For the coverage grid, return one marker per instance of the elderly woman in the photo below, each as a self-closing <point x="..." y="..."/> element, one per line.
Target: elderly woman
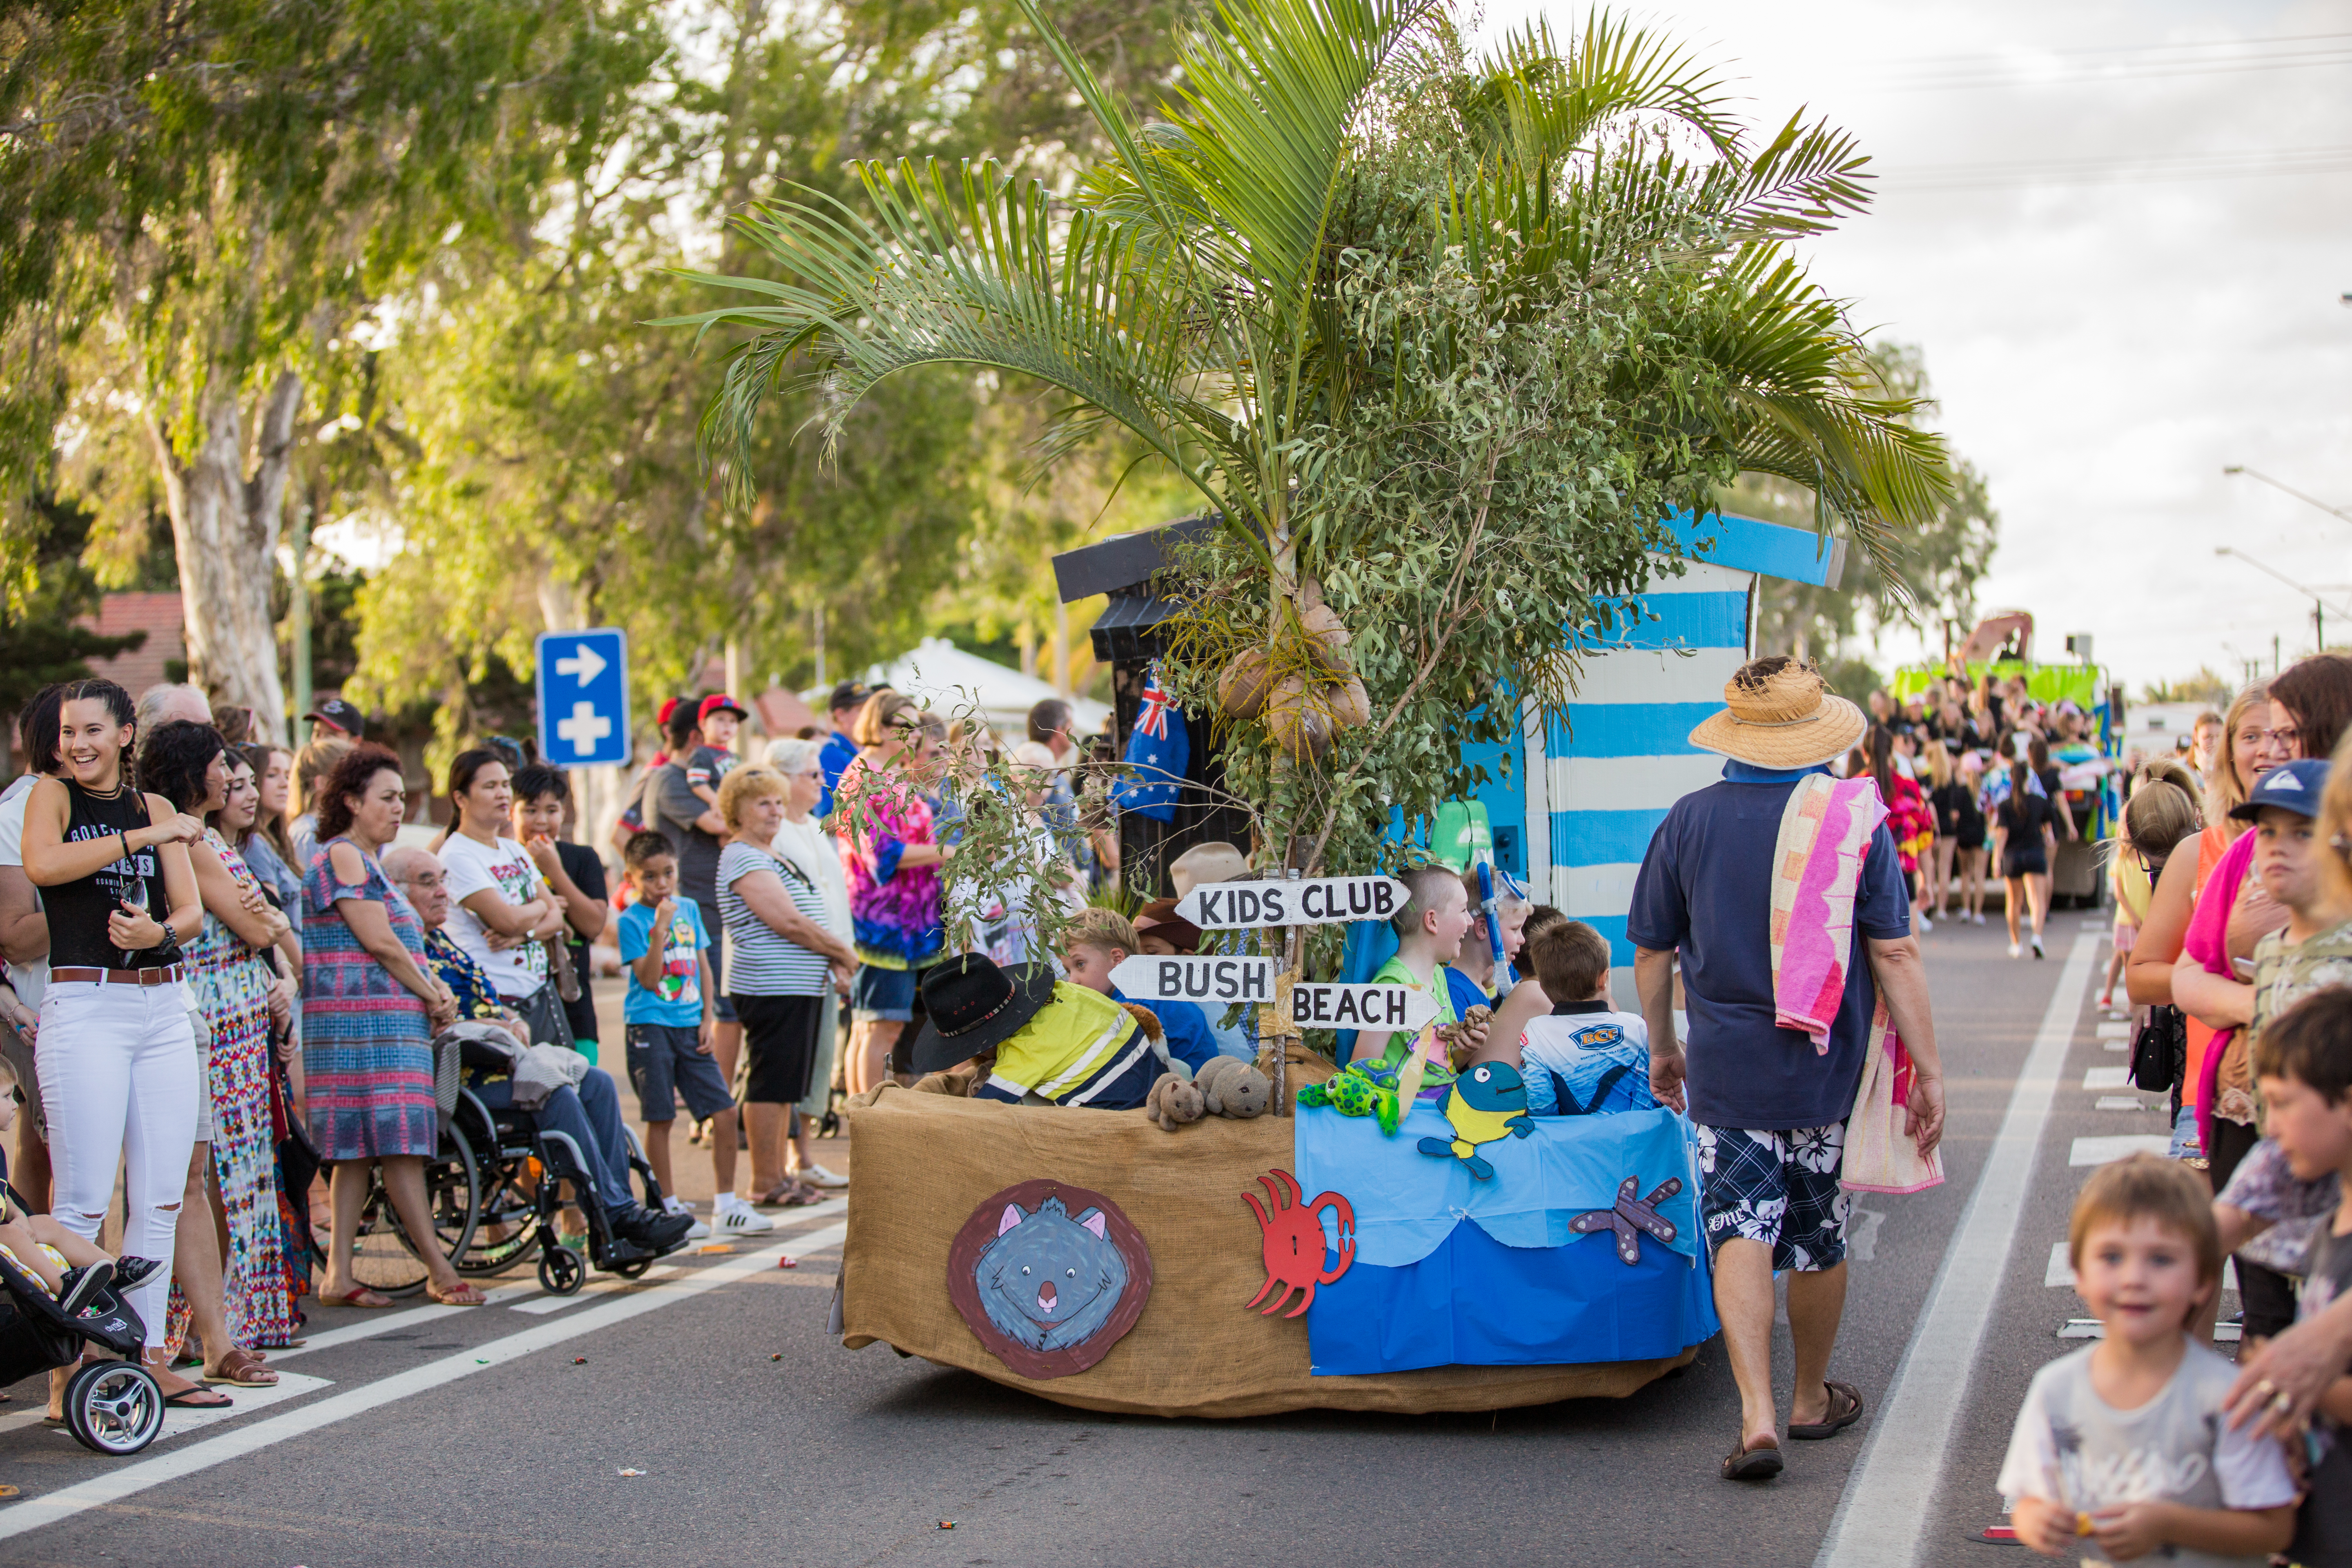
<point x="891" y="860"/>
<point x="372" y="1004"/>
<point x="775" y="914"/>
<point x="804" y="844"/>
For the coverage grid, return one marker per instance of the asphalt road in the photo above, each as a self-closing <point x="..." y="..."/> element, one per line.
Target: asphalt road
<point x="501" y="1434"/>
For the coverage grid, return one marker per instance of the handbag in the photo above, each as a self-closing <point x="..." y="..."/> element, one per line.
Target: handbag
<point x="2160" y="1050"/>
<point x="1880" y="1157"/>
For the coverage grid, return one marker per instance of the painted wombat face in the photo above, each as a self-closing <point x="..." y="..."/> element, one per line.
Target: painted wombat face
<point x="1049" y="1280"/>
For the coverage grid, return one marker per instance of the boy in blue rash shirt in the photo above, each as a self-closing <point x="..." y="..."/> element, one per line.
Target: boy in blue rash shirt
<point x="1096" y="942"/>
<point x="1584" y="1058"/>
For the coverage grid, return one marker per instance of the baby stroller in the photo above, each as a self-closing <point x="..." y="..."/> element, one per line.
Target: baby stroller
<point x="111" y="1406"/>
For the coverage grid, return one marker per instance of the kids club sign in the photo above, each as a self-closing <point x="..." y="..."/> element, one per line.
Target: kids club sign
<point x="1312" y="902"/>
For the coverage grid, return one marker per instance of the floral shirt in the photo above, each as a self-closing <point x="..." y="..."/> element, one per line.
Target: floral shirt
<point x="894" y="912"/>
<point x="478" y="997"/>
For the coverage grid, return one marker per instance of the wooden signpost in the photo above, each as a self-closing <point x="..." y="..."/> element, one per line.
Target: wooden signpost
<point x="1308" y="901"/>
<point x="1218" y="979"/>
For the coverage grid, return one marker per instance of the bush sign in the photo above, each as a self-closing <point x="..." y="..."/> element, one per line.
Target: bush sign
<point x="1336" y="1006"/>
<point x="1317" y="900"/>
<point x="1223" y="979"/>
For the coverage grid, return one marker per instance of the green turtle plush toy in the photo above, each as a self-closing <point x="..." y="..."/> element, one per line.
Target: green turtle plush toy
<point x="1356" y="1092"/>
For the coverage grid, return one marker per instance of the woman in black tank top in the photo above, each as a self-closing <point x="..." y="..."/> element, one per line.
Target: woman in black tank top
<point x="120" y="1077"/>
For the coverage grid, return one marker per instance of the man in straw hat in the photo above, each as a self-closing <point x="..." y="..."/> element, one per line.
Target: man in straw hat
<point x="1770" y="1106"/>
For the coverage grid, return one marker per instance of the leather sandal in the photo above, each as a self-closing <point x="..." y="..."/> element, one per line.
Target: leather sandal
<point x="1844" y="1410"/>
<point x="242" y="1369"/>
<point x="1760" y="1463"/>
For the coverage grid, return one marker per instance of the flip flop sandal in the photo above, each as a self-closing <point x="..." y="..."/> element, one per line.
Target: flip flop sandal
<point x="363" y="1298"/>
<point x="198" y="1398"/>
<point x="1845" y="1409"/>
<point x="1753" y="1464"/>
<point x="242" y="1369"/>
<point x="463" y="1296"/>
<point x="6" y="1490"/>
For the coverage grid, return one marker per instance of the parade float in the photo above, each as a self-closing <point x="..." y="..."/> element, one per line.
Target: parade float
<point x="1456" y="351"/>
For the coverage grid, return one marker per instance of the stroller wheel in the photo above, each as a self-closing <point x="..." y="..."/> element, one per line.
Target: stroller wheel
<point x="114" y="1407"/>
<point x="560" y="1272"/>
<point x="635" y="1268"/>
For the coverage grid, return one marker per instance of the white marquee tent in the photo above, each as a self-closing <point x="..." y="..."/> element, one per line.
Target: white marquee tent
<point x="949" y="680"/>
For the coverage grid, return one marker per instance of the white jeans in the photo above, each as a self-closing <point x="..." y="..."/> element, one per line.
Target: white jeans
<point x="118" y="1081"/>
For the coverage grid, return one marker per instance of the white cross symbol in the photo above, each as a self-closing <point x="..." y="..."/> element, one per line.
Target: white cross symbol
<point x="583" y="729"/>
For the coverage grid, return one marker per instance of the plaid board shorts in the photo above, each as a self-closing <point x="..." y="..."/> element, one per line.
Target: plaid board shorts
<point x="1777" y="1187"/>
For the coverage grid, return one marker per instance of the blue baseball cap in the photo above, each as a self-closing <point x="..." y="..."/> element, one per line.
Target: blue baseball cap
<point x="2291" y="786"/>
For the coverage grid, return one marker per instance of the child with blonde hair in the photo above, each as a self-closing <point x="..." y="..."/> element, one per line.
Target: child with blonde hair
<point x="2124" y="1446"/>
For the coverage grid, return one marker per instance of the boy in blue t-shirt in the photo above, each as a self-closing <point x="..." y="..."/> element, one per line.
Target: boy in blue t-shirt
<point x="669" y="1014"/>
<point x="1096" y="942"/>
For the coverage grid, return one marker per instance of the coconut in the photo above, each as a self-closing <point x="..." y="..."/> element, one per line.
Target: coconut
<point x="1298" y="718"/>
<point x="1350" y="705"/>
<point x="1323" y="624"/>
<point x="1242" y="688"/>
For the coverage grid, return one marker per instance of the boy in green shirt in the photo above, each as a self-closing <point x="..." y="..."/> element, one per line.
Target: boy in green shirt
<point x="1429" y="929"/>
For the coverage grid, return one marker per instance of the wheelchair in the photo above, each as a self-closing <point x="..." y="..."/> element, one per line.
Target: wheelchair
<point x="111" y="1406"/>
<point x="494" y="1190"/>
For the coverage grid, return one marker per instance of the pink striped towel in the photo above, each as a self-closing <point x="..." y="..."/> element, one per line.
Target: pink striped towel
<point x="1816" y="866"/>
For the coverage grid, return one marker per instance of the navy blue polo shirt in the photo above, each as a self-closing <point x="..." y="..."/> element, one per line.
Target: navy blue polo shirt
<point x="1706" y="888"/>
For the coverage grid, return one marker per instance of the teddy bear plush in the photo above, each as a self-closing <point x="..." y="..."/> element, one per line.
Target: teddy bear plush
<point x="1457" y="1036"/>
<point x="1231" y="1086"/>
<point x="1173" y="1102"/>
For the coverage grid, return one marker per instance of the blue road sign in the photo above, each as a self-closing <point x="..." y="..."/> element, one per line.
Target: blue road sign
<point x="583" y="697"/>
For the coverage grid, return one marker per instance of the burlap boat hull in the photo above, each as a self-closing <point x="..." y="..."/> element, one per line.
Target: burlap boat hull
<point x="924" y="1161"/>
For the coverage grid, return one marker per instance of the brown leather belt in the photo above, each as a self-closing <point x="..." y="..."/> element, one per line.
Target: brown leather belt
<point x="71" y="974"/>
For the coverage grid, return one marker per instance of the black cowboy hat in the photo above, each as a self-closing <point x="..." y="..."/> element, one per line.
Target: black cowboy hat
<point x="975" y="1006"/>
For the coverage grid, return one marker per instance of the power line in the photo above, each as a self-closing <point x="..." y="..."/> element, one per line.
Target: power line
<point x="2248" y="162"/>
<point x="2116" y="63"/>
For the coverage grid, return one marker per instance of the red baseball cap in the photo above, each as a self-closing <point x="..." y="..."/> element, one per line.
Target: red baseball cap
<point x="720" y="702"/>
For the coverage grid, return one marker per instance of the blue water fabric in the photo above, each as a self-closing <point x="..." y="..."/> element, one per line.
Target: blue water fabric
<point x="1408" y="1203"/>
<point x="1476" y="1302"/>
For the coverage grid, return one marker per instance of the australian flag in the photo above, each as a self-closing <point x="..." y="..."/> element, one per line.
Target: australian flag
<point x="1157" y="751"/>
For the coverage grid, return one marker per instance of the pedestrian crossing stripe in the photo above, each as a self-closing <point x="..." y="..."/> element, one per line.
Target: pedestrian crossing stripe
<point x="2107" y="1150"/>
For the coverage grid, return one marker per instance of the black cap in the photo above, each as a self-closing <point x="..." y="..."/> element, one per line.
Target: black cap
<point x="337" y="714"/>
<point x="848" y="694"/>
<point x="975" y="1006"/>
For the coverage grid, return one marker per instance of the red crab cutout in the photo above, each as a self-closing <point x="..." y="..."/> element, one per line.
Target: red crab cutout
<point x="1294" y="1241"/>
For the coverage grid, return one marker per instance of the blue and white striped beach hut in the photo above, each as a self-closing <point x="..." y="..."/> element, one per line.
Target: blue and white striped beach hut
<point x="1574" y="804"/>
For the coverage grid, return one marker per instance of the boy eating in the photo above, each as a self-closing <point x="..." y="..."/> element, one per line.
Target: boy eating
<point x="668" y="1018"/>
<point x="1583" y="1057"/>
<point x="1097" y="940"/>
<point x="2123" y="1446"/>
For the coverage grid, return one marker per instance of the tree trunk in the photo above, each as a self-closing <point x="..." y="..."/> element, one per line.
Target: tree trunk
<point x="225" y="529"/>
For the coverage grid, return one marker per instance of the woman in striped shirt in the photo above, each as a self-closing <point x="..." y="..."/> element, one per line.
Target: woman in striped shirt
<point x="783" y="963"/>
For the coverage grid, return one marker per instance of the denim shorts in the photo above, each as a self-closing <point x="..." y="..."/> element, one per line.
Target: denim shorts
<point x="878" y="993"/>
<point x="1777" y="1187"/>
<point x="663" y="1062"/>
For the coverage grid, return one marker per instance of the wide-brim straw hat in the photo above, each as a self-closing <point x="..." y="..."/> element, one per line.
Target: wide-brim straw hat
<point x="1781" y="720"/>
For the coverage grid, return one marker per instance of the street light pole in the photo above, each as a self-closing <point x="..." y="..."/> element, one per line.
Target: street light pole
<point x="2342" y="514"/>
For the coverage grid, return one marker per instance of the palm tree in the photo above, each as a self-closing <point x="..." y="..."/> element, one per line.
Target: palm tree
<point x="1184" y="296"/>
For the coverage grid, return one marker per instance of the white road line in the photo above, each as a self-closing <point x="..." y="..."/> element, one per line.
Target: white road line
<point x="2115" y="1031"/>
<point x="603" y="1286"/>
<point x="2124" y="1102"/>
<point x="2060" y="1275"/>
<point x="2107" y="1150"/>
<point x="34" y="1513"/>
<point x="1888" y="1493"/>
<point x="2107" y="1077"/>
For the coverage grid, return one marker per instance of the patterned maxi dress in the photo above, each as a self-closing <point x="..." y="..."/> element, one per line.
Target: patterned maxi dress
<point x="366" y="1049"/>
<point x="229" y="983"/>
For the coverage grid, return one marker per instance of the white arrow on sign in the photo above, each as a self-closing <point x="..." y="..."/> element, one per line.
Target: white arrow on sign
<point x="1219" y="979"/>
<point x="584" y="662"/>
<point x="1332" y="1005"/>
<point x="1318" y="901"/>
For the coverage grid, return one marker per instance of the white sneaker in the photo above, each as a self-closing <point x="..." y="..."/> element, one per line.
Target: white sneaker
<point x="1926" y="925"/>
<point x="1978" y="917"/>
<point x="745" y="1221"/>
<point x="2012" y="950"/>
<point x="700" y="1229"/>
<point x="2037" y="944"/>
<point x="818" y="1176"/>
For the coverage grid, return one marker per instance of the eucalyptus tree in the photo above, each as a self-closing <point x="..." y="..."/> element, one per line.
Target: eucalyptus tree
<point x="209" y="202"/>
<point x="1442" y="341"/>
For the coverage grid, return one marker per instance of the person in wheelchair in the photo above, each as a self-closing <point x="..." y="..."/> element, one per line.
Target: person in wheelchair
<point x="590" y="1115"/>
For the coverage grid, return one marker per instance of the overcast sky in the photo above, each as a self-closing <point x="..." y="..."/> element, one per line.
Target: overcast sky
<point x="2101" y="347"/>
